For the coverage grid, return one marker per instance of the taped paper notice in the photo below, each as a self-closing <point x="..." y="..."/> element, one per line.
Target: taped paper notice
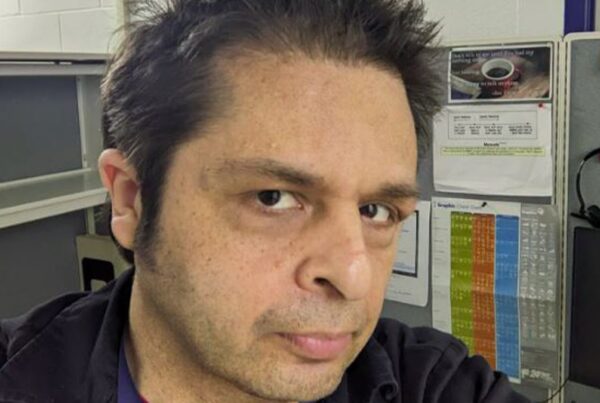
<point x="494" y="150"/>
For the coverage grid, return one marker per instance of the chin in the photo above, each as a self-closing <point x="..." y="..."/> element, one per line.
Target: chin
<point x="300" y="390"/>
<point x="299" y="382"/>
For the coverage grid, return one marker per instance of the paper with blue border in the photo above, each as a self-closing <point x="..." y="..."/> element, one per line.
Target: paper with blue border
<point x="409" y="281"/>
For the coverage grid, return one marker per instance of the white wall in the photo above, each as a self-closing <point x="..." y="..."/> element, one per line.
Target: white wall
<point x="87" y="25"/>
<point x="493" y="19"/>
<point x="57" y="25"/>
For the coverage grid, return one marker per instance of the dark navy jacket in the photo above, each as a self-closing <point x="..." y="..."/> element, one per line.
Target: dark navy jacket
<point x="67" y="351"/>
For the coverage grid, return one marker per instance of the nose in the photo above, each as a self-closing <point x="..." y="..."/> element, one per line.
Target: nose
<point x="337" y="261"/>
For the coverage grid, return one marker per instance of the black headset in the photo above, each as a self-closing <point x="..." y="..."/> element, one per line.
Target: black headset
<point x="590" y="214"/>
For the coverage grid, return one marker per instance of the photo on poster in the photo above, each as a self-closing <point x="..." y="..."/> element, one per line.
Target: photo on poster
<point x="508" y="73"/>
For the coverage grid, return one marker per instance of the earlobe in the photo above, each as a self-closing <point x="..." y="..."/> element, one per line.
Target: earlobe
<point x="120" y="180"/>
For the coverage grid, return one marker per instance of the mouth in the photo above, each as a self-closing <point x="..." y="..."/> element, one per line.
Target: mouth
<point x="317" y="346"/>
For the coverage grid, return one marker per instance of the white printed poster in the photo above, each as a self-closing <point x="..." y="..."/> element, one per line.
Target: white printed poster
<point x="475" y="282"/>
<point x="494" y="150"/>
<point x="409" y="282"/>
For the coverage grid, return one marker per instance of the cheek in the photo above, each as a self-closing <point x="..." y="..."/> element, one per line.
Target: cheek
<point x="244" y="275"/>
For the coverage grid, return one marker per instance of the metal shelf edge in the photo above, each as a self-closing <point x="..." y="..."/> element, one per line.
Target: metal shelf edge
<point x="51" y="207"/>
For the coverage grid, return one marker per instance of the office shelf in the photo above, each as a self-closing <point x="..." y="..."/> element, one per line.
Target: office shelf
<point x="41" y="197"/>
<point x="54" y="56"/>
<point x="52" y="64"/>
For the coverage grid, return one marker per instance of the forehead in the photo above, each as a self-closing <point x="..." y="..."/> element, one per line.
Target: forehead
<point x="317" y="114"/>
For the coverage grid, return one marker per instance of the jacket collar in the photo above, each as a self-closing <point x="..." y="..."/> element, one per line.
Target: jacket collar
<point x="370" y="378"/>
<point x="101" y="379"/>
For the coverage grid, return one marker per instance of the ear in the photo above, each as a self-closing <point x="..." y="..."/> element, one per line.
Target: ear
<point x="120" y="179"/>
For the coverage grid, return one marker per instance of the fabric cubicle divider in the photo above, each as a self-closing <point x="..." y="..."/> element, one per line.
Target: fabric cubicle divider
<point x="583" y="133"/>
<point x="417" y="316"/>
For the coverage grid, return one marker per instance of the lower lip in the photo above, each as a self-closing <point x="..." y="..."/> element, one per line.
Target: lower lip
<point x="317" y="347"/>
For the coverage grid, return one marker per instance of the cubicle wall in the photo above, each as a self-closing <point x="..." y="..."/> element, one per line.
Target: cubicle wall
<point x="38" y="261"/>
<point x="422" y="316"/>
<point x="583" y="133"/>
<point x="39" y="126"/>
<point x="577" y="131"/>
<point x="49" y="132"/>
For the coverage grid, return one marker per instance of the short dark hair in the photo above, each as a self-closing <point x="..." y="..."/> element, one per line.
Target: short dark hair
<point x="162" y="86"/>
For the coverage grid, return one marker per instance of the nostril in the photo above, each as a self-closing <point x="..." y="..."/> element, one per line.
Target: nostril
<point x="321" y="281"/>
<point x="326" y="286"/>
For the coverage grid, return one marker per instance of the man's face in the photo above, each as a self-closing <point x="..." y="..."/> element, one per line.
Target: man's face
<point x="279" y="225"/>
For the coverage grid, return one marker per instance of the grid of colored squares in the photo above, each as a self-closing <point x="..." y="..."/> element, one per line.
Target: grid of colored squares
<point x="484" y="287"/>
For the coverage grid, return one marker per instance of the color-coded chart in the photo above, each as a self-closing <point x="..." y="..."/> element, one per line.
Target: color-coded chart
<point x="472" y="282"/>
<point x="507" y="287"/>
<point x="476" y="274"/>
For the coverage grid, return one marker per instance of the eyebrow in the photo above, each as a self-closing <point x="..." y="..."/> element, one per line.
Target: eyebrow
<point x="272" y="169"/>
<point x="285" y="173"/>
<point x="401" y="191"/>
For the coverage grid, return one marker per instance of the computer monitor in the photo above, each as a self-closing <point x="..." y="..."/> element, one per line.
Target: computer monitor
<point x="584" y="366"/>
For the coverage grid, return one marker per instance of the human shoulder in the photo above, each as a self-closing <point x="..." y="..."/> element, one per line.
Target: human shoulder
<point x="402" y="341"/>
<point x="16" y="332"/>
<point x="433" y="366"/>
<point x="58" y="348"/>
<point x="72" y="311"/>
<point x="30" y="350"/>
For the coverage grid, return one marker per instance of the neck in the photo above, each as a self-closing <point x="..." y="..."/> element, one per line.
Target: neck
<point x="162" y="368"/>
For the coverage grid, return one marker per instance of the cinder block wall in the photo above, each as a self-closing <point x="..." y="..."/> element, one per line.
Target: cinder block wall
<point x="465" y="20"/>
<point x="87" y="25"/>
<point x="58" y="25"/>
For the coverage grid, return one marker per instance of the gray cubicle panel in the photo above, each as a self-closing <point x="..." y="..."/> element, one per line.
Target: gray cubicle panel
<point x="38" y="261"/>
<point x="584" y="135"/>
<point x="39" y="135"/>
<point x="417" y="316"/>
<point x="39" y="127"/>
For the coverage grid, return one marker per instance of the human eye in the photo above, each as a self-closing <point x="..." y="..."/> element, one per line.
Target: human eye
<point x="379" y="213"/>
<point x="277" y="200"/>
